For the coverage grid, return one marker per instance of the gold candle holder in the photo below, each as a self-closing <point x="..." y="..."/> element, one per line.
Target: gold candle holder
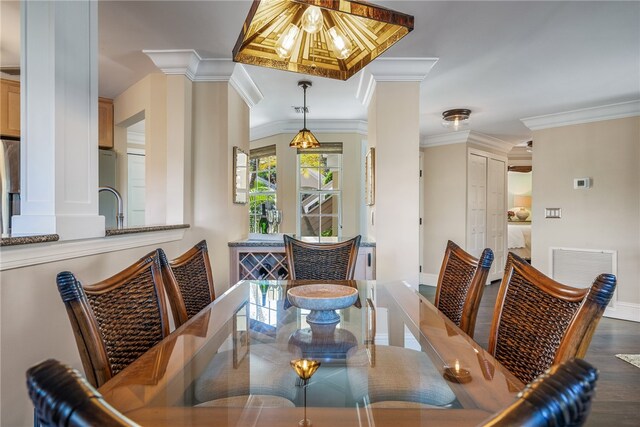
<point x="305" y="368"/>
<point x="456" y="374"/>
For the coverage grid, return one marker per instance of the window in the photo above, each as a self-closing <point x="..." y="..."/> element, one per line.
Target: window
<point x="319" y="192"/>
<point x="262" y="183"/>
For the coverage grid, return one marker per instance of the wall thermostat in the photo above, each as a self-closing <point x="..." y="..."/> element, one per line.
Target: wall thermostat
<point x="581" y="183"/>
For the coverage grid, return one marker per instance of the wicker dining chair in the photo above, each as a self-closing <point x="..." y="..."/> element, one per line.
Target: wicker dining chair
<point x="63" y="398"/>
<point x="321" y="261"/>
<point x="461" y="284"/>
<point x="538" y="322"/>
<point x="560" y="397"/>
<point x="118" y="319"/>
<point x="189" y="282"/>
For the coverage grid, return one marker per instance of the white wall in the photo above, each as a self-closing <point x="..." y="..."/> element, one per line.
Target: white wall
<point x="352" y="202"/>
<point x="607" y="216"/>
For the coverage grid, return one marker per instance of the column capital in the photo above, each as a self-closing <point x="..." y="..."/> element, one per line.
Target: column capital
<point x="189" y="63"/>
<point x="392" y="70"/>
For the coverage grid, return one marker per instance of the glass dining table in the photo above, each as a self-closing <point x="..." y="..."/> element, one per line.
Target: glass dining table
<point x="392" y="359"/>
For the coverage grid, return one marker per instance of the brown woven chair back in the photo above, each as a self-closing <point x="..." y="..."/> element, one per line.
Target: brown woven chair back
<point x="321" y="261"/>
<point x="116" y="320"/>
<point x="460" y="285"/>
<point x="538" y="322"/>
<point x="189" y="282"/>
<point x="62" y="398"/>
<point x="558" y="398"/>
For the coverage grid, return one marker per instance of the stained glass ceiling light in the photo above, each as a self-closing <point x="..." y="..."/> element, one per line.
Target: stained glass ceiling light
<point x="327" y="38"/>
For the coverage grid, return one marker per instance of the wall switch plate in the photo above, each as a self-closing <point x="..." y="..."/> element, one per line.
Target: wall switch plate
<point x="552" y="212"/>
<point x="580" y="183"/>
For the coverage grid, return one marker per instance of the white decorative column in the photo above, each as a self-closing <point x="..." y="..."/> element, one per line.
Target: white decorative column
<point x="59" y="110"/>
<point x="391" y="90"/>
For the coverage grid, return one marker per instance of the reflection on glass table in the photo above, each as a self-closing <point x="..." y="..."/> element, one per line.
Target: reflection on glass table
<point x="385" y="360"/>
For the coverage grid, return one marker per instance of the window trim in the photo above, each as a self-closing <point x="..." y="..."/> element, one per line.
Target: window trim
<point x="325" y="148"/>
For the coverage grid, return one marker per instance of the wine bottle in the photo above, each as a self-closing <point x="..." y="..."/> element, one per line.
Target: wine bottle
<point x="263" y="224"/>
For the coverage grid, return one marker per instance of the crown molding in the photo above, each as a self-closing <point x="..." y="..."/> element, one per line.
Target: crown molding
<point x="391" y="70"/>
<point x="246" y="87"/>
<point x="176" y="61"/>
<point x="584" y="115"/>
<point x="467" y="136"/>
<point x="458" y="137"/>
<point x="491" y="142"/>
<point x="187" y="62"/>
<point x="317" y="126"/>
<point x="401" y="69"/>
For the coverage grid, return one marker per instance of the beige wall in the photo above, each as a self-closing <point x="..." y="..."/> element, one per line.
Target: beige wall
<point x="606" y="216"/>
<point x="220" y="122"/>
<point x="34" y="323"/>
<point x="445" y="201"/>
<point x="394" y="124"/>
<point x="146" y="99"/>
<point x="352" y="201"/>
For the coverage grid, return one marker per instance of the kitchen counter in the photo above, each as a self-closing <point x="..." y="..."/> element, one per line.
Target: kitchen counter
<point x="26" y="240"/>
<point x="143" y="229"/>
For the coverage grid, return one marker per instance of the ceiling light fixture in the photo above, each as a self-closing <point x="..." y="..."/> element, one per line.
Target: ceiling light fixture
<point x="304" y="138"/>
<point x="456" y="118"/>
<point x="327" y="38"/>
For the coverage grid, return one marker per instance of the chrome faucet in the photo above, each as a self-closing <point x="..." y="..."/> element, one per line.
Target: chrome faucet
<point x="120" y="214"/>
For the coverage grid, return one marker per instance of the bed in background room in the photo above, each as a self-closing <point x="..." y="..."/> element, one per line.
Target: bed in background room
<point x="519" y="240"/>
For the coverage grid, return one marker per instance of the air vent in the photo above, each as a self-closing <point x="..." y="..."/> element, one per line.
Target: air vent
<point x="579" y="267"/>
<point x="300" y="109"/>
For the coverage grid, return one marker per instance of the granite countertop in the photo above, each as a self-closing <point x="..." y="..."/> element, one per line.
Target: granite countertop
<point x="143" y="229"/>
<point x="247" y="243"/>
<point x="25" y="240"/>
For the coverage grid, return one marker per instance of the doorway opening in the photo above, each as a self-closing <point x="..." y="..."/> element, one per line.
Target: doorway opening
<point x="136" y="185"/>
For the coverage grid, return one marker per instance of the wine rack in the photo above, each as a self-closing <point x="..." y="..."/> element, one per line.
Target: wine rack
<point x="262" y="266"/>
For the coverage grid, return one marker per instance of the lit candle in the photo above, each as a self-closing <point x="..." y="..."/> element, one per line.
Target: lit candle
<point x="457" y="367"/>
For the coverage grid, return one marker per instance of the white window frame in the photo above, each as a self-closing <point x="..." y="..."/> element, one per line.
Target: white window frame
<point x="334" y="193"/>
<point x="263" y="193"/>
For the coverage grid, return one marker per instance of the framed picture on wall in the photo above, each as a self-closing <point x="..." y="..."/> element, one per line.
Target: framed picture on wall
<point x="370" y="177"/>
<point x="241" y="178"/>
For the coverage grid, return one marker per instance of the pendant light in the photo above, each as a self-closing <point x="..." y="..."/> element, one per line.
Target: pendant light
<point x="304" y="138"/>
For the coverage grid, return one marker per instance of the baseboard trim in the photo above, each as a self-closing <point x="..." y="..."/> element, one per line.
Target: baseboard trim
<point x="429" y="279"/>
<point x="624" y="311"/>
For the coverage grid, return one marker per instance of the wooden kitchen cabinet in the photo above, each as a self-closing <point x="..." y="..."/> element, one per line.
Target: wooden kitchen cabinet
<point x="9" y="108"/>
<point x="10" y="114"/>
<point x="105" y="123"/>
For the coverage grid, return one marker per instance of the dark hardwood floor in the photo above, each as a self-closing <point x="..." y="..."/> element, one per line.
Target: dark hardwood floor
<point x="617" y="400"/>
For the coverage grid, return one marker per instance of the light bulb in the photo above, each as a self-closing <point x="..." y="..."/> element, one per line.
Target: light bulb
<point x="456" y="123"/>
<point x="312" y="20"/>
<point x="284" y="45"/>
<point x="342" y="46"/>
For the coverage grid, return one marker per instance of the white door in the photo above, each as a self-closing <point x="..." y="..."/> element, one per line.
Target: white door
<point x="496" y="211"/>
<point x="135" y="190"/>
<point x="476" y="204"/>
